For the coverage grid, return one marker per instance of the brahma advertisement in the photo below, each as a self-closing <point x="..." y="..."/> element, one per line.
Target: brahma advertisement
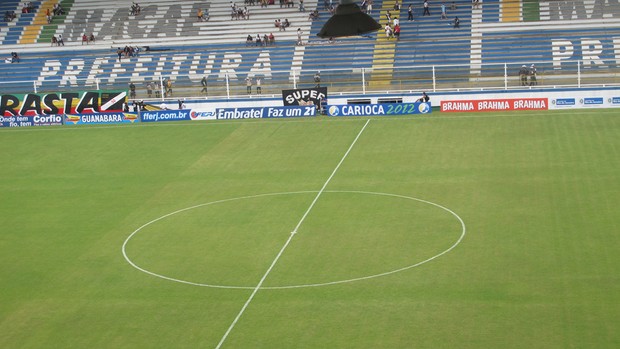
<point x="495" y="105"/>
<point x="33" y="109"/>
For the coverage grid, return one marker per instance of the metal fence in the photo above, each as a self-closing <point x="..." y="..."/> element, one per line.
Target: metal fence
<point x="490" y="76"/>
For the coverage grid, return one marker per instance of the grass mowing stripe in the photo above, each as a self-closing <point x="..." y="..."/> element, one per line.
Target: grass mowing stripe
<point x="262" y="280"/>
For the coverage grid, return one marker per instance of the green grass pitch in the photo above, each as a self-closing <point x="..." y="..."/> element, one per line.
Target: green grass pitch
<point x="537" y="268"/>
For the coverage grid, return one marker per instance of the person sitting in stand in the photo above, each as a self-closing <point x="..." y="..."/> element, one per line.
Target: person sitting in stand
<point x="286" y="23"/>
<point x="249" y="40"/>
<point x="272" y="39"/>
<point x="258" y="40"/>
<point x="313" y="15"/>
<point x="14" y="57"/>
<point x="54" y="40"/>
<point x="91" y="38"/>
<point x="135" y="9"/>
<point x="84" y="39"/>
<point x="425" y="98"/>
<point x="200" y="15"/>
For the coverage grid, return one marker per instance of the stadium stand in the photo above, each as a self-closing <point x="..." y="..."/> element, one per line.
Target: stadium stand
<point x="565" y="39"/>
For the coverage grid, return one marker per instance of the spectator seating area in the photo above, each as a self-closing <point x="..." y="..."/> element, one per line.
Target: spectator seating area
<point x="493" y="40"/>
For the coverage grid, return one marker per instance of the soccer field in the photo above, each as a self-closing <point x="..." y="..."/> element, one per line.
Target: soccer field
<point x="491" y="230"/>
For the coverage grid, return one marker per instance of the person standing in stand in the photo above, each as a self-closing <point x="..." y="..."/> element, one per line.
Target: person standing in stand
<point x="427" y="11"/>
<point x="258" y="86"/>
<point x="248" y="84"/>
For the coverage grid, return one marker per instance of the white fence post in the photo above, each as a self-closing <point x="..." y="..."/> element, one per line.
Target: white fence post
<point x="34" y="84"/>
<point x="505" y="76"/>
<point x="97" y="82"/>
<point x="364" y="81"/>
<point x="579" y="73"/>
<point x="227" y="87"/>
<point x="434" y="80"/>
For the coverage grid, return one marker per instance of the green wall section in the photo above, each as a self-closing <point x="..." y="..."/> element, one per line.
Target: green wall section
<point x="531" y="11"/>
<point x="48" y="30"/>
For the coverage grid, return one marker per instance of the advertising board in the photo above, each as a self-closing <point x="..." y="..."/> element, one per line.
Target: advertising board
<point x="265" y="112"/>
<point x="165" y="115"/>
<point x="385" y="109"/>
<point x="101" y="118"/>
<point x="479" y="105"/>
<point x="31" y="120"/>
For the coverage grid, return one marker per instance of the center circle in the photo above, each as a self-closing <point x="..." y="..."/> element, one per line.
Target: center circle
<point x="348" y="236"/>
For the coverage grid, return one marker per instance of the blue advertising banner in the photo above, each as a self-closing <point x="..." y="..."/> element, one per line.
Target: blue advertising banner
<point x="592" y="101"/>
<point x="101" y="118"/>
<point x="265" y="112"/>
<point x="31" y="120"/>
<point x="564" y="102"/>
<point x="385" y="109"/>
<point x="165" y="115"/>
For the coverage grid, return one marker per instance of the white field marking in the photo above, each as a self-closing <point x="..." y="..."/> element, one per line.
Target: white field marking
<point x="260" y="283"/>
<point x="124" y="247"/>
<point x="463" y="115"/>
<point x="462" y="235"/>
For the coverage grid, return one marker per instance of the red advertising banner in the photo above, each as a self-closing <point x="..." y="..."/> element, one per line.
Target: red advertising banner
<point x="495" y="105"/>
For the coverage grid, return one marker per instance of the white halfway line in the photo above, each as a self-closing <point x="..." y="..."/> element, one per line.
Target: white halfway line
<point x="316" y="198"/>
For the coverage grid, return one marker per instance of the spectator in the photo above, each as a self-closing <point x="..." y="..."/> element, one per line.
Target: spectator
<point x="54" y="40"/>
<point x="396" y="6"/>
<point x="9" y="16"/>
<point x="533" y="79"/>
<point x="265" y="40"/>
<point x="135" y="9"/>
<point x="453" y="6"/>
<point x="203" y="82"/>
<point x="286" y="23"/>
<point x="388" y="31"/>
<point x="258" y="40"/>
<point x="272" y="39"/>
<point x="168" y="88"/>
<point x="427" y="11"/>
<point x="149" y="89"/>
<point x="313" y="15"/>
<point x="369" y="7"/>
<point x="475" y="3"/>
<point x="248" y="84"/>
<point x="278" y="24"/>
<point x="457" y="22"/>
<point x="132" y="90"/>
<point x="249" y="40"/>
<point x="299" y="40"/>
<point x="84" y="39"/>
<point x="410" y="13"/>
<point x="424" y="99"/>
<point x="258" y="87"/>
<point x="92" y="37"/>
<point x="397" y="31"/>
<point x="301" y="6"/>
<point x="201" y="15"/>
<point x="15" y="58"/>
<point x="119" y="52"/>
<point x="60" y="40"/>
<point x="317" y="79"/>
<point x="444" y="15"/>
<point x="58" y="11"/>
<point x="523" y="72"/>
